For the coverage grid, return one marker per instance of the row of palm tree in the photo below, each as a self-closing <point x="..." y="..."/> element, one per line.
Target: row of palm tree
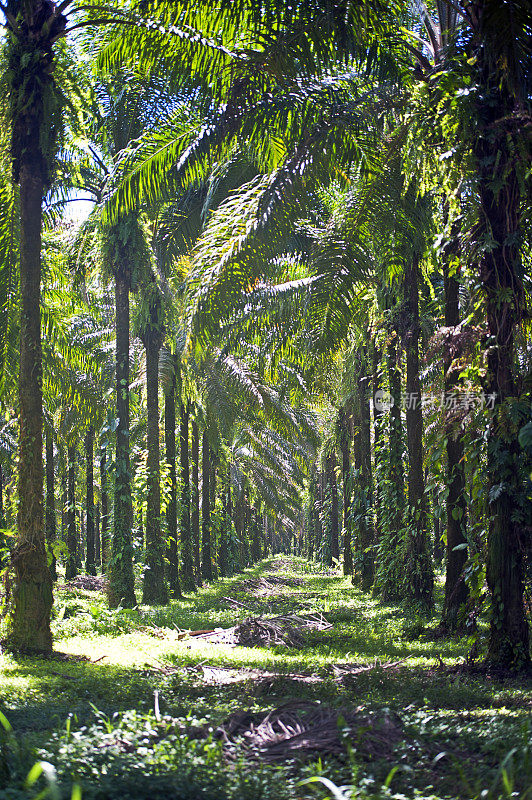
<point x="307" y="101"/>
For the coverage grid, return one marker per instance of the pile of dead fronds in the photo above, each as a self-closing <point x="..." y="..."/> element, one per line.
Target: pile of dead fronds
<point x="90" y="583"/>
<point x="286" y="631"/>
<point x="302" y="729"/>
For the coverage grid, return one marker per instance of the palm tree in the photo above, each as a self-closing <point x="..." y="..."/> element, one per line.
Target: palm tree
<point x="493" y="41"/>
<point x="151" y="331"/>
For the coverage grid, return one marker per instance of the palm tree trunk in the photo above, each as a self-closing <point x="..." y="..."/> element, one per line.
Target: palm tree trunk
<point x="172" y="558"/>
<point x="206" y="560"/>
<point x="378" y="419"/>
<point x="346" y="485"/>
<point x="455" y="586"/>
<point x="154" y="590"/>
<point x="195" y="500"/>
<point x="187" y="569"/>
<point x="396" y="474"/>
<point x="90" y="563"/>
<point x="104" y="519"/>
<point x="499" y="188"/>
<point x="334" y="544"/>
<point x="366" y="481"/>
<point x="223" y="550"/>
<point x="51" y="533"/>
<point x="212" y="490"/>
<point x="32" y="588"/>
<point x="72" y="542"/>
<point x="420" y="577"/>
<point x="97" y="539"/>
<point x="256" y="554"/>
<point x="121" y="587"/>
<point x="64" y="502"/>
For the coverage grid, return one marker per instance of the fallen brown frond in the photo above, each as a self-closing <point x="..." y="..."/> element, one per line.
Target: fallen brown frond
<point x="301" y="729"/>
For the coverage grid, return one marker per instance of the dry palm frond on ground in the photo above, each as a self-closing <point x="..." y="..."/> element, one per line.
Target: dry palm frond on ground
<point x="299" y="729"/>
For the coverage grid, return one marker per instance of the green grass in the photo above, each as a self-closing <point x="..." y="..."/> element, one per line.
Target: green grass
<point x="462" y="737"/>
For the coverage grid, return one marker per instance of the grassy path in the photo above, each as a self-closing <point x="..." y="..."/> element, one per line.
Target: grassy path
<point x="139" y="711"/>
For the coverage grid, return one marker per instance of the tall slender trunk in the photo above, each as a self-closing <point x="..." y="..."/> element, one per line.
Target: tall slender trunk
<point x="390" y="575"/>
<point x="97" y="539"/>
<point x="51" y="533"/>
<point x="121" y="588"/>
<point x="2" y="515"/>
<point x="206" y="559"/>
<point x="396" y="474"/>
<point x="378" y="419"/>
<point x="366" y="481"/>
<point x="312" y="511"/>
<point x="187" y="569"/>
<point x="223" y="550"/>
<point x="64" y="502"/>
<point x="154" y="591"/>
<point x="256" y="537"/>
<point x="212" y="490"/>
<point x="500" y="194"/>
<point x="90" y="563"/>
<point x="72" y="542"/>
<point x="32" y="587"/>
<point x="320" y="518"/>
<point x="438" y="541"/>
<point x="194" y="501"/>
<point x="172" y="558"/>
<point x="420" y="577"/>
<point x="346" y="487"/>
<point x="104" y="526"/>
<point x="332" y="487"/>
<point x="455" y="586"/>
<point x="81" y="540"/>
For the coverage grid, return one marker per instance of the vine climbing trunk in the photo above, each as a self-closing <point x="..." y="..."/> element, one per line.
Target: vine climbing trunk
<point x="90" y="563"/>
<point x="500" y="183"/>
<point x="154" y="591"/>
<point x="456" y="549"/>
<point x="121" y="584"/>
<point x="419" y="576"/>
<point x="51" y="533"/>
